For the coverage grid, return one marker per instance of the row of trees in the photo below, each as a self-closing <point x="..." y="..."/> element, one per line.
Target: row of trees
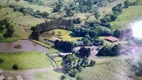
<point x="64" y="45"/>
<point x="72" y="67"/>
<point x="30" y="11"/>
<point x="110" y="51"/>
<point x="39" y="2"/>
<point x="6" y="29"/>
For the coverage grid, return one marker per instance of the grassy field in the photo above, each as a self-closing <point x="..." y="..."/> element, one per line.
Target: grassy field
<point x="20" y="22"/>
<point x="65" y="35"/>
<point x="25" y="60"/>
<point x="112" y="70"/>
<point x="128" y="15"/>
<point x="140" y="2"/>
<point x="50" y="75"/>
<point x="25" y="4"/>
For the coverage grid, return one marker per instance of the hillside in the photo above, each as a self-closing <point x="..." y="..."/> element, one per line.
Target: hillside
<point x="85" y="39"/>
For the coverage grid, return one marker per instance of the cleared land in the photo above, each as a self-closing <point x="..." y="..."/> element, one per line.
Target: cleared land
<point x="65" y="35"/>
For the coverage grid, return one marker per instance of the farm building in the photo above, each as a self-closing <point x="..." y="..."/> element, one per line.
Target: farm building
<point x="111" y="39"/>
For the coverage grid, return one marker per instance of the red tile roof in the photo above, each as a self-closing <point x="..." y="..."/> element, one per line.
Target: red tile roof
<point x="112" y="39"/>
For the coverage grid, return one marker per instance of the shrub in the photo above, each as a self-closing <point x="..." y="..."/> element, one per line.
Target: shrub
<point x="63" y="77"/>
<point x="18" y="46"/>
<point x="72" y="74"/>
<point x="1" y="60"/>
<point x="15" y="67"/>
<point x="79" y="78"/>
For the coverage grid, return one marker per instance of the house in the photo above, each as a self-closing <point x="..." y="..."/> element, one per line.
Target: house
<point x="112" y="39"/>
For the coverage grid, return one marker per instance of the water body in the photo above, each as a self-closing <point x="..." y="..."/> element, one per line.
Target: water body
<point x="27" y="46"/>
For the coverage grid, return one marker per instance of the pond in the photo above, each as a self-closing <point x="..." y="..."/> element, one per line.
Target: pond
<point x="24" y="46"/>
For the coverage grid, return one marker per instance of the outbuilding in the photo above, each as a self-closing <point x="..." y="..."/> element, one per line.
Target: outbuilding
<point x="112" y="39"/>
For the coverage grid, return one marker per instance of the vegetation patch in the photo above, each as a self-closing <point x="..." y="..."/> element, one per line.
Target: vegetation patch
<point x="128" y="15"/>
<point x="24" y="60"/>
<point x="64" y="35"/>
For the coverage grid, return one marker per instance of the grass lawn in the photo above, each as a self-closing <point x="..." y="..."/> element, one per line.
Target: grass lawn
<point x="64" y="35"/>
<point x="50" y="75"/>
<point x="128" y="15"/>
<point x="25" y="60"/>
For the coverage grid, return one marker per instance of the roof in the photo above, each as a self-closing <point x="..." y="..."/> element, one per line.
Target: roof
<point x="112" y="39"/>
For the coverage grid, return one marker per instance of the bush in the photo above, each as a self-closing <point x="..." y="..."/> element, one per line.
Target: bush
<point x="71" y="74"/>
<point x="18" y="46"/>
<point x="79" y="68"/>
<point x="15" y="67"/>
<point x="79" y="78"/>
<point x="137" y="68"/>
<point x="92" y="63"/>
<point x="110" y="51"/>
<point x="1" y="60"/>
<point x="63" y="77"/>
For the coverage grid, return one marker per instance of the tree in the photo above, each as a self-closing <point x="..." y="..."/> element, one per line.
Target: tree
<point x="57" y="8"/>
<point x="110" y="17"/>
<point x="52" y="33"/>
<point x="64" y="45"/>
<point x="1" y="60"/>
<point x="97" y="15"/>
<point x="84" y="62"/>
<point x="105" y="51"/>
<point x="119" y="5"/>
<point x="92" y="63"/>
<point x="84" y="52"/>
<point x="15" y="67"/>
<point x="126" y="4"/>
<point x="79" y="78"/>
<point x="115" y="51"/>
<point x="72" y="74"/>
<point x="77" y="21"/>
<point x="63" y="77"/>
<point x="68" y="63"/>
<point x="109" y="51"/>
<point x="137" y="68"/>
<point x="117" y="33"/>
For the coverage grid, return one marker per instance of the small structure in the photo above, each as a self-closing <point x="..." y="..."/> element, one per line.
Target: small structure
<point x="64" y="54"/>
<point x="19" y="78"/>
<point x="111" y="39"/>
